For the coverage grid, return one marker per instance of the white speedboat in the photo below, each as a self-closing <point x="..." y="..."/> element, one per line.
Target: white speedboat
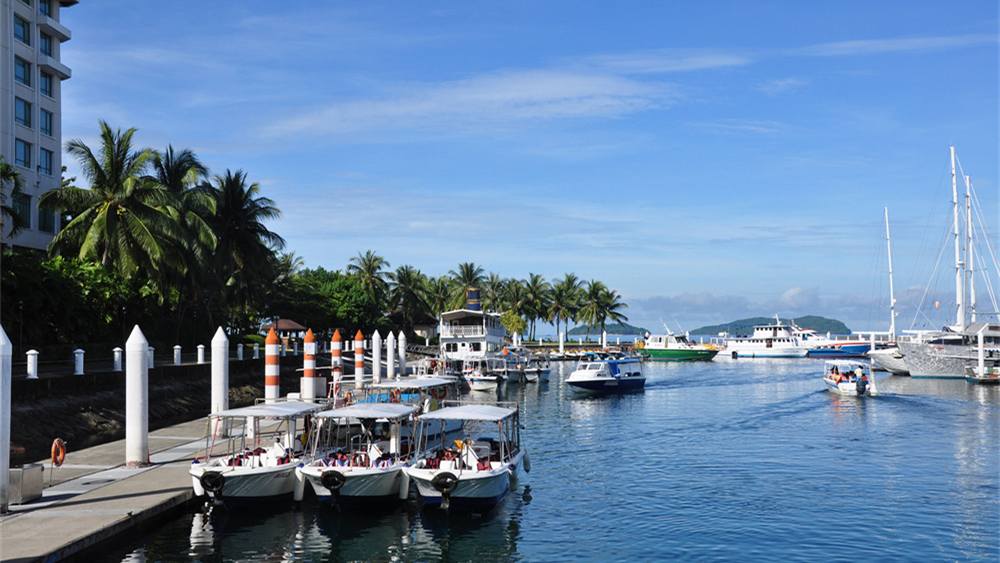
<point x="252" y="452"/>
<point x="485" y="374"/>
<point x="538" y="368"/>
<point x="472" y="469"/>
<point x="622" y="375"/>
<point x="846" y="377"/>
<point x="359" y="455"/>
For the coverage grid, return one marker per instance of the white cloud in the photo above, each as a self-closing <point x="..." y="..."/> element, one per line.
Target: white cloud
<point x="895" y="45"/>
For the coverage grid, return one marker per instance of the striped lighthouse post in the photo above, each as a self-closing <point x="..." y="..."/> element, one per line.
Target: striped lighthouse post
<point x="336" y="361"/>
<point x="272" y="368"/>
<point x="308" y="389"/>
<point x="390" y="356"/>
<point x="359" y="360"/>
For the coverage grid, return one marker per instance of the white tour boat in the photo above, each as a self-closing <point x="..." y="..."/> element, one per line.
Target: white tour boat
<point x="471" y="469"/>
<point x="767" y="341"/>
<point x="252" y="452"/>
<point x="846" y="377"/>
<point x="359" y="454"/>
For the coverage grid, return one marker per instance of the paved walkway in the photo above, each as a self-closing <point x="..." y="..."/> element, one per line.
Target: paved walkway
<point x="93" y="497"/>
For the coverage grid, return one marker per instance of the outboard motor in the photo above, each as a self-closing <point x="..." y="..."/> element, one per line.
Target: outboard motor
<point x="862" y="386"/>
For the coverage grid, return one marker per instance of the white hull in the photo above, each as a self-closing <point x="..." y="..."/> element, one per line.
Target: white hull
<point x="484" y="383"/>
<point x="361" y="483"/>
<point x="937" y="360"/>
<point x="476" y="488"/>
<point x="249" y="482"/>
<point x="847" y="388"/>
<point x="739" y="350"/>
<point x="891" y="360"/>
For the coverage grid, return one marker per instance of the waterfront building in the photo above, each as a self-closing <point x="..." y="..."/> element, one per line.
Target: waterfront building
<point x="31" y="76"/>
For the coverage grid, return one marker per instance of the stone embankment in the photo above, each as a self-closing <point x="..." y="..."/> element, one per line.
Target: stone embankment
<point x="88" y="410"/>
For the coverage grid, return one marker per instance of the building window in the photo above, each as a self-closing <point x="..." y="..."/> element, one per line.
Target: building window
<point x="45" y="44"/>
<point x="22" y="71"/>
<point x="45" y="161"/>
<point x="45" y="7"/>
<point x="22" y="208"/>
<point x="45" y="121"/>
<point x="22" y="112"/>
<point x="45" y="83"/>
<point x="46" y="219"/>
<point x="22" y="153"/>
<point x="22" y="30"/>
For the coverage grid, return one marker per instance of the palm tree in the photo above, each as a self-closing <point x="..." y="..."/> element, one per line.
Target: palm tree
<point x="591" y="310"/>
<point x="10" y="175"/>
<point x="438" y="293"/>
<point x="245" y="252"/>
<point x="565" y="304"/>
<point x="289" y="265"/>
<point x="514" y="297"/>
<point x="124" y="219"/>
<point x="367" y="268"/>
<point x="467" y="277"/>
<point x="407" y="293"/>
<point x="492" y="289"/>
<point x="537" y="297"/>
<point x="611" y="306"/>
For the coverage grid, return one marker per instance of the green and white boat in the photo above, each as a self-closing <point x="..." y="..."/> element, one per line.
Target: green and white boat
<point x="675" y="347"/>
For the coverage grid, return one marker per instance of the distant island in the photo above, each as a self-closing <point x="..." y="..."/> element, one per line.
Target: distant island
<point x="616" y="328"/>
<point x="821" y="325"/>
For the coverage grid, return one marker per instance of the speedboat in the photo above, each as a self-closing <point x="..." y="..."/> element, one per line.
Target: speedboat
<point x="251" y="452"/>
<point x="427" y="393"/>
<point x="672" y="346"/>
<point x="845" y="377"/>
<point x="485" y="374"/>
<point x="622" y="375"/>
<point x="359" y="455"/>
<point x="471" y="469"/>
<point x="538" y="368"/>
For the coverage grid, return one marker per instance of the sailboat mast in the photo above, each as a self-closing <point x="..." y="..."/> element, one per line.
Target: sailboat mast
<point x="970" y="262"/>
<point x="892" y="296"/>
<point x="959" y="289"/>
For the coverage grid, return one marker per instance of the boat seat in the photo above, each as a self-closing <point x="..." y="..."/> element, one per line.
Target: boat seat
<point x="448" y="464"/>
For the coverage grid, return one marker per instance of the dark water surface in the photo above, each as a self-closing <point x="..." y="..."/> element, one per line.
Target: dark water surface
<point x="733" y="460"/>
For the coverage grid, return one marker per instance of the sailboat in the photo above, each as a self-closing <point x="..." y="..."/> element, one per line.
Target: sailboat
<point x="946" y="354"/>
<point x="890" y="358"/>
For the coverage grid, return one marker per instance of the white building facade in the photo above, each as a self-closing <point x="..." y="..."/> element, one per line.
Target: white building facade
<point x="31" y="76"/>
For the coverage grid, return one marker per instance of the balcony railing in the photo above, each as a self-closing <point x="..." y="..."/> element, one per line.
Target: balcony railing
<point x="470" y="330"/>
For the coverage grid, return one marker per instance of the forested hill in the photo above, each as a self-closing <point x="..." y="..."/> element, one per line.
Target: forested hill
<point x="821" y="325"/>
<point x="615" y="328"/>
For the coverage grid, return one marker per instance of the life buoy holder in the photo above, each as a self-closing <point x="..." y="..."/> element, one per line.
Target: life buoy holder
<point x="58" y="452"/>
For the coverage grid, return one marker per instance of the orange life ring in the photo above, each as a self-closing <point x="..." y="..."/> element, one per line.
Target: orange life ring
<point x="347" y="397"/>
<point x="58" y="452"/>
<point x="395" y="395"/>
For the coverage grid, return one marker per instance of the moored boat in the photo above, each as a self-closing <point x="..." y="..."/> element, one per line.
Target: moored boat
<point x="622" y="375"/>
<point x="471" y="469"/>
<point x="846" y="377"/>
<point x="767" y="341"/>
<point x="675" y="347"/>
<point x="360" y="455"/>
<point x="251" y="452"/>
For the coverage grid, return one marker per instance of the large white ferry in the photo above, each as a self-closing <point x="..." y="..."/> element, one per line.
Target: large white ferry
<point x="767" y="341"/>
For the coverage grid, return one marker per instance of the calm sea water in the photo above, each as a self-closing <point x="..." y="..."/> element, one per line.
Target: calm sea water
<point x="733" y="460"/>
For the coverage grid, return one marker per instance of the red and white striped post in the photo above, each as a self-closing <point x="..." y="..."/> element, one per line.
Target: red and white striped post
<point x="272" y="368"/>
<point x="308" y="389"/>
<point x="359" y="360"/>
<point x="336" y="360"/>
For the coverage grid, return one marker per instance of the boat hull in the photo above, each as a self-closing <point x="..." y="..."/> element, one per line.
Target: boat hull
<point x="608" y="384"/>
<point x="854" y="350"/>
<point x="477" y="490"/>
<point x="891" y="360"/>
<point x="940" y="361"/>
<point x="767" y="352"/>
<point x="680" y="354"/>
<point x="249" y="484"/>
<point x="363" y="486"/>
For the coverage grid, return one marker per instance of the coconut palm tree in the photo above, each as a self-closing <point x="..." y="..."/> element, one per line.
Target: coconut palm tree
<point x="367" y="268"/>
<point x="244" y="256"/>
<point x="438" y="292"/>
<point x="591" y="306"/>
<point x="9" y="176"/>
<point x="467" y="277"/>
<point x="492" y="289"/>
<point x="406" y="291"/>
<point x="537" y="298"/>
<point x="514" y="297"/>
<point x="565" y="304"/>
<point x="124" y="219"/>
<point x="611" y="308"/>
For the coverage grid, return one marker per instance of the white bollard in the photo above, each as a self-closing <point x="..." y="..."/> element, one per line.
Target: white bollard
<point x="136" y="400"/>
<point x="32" y="364"/>
<point x="117" y="352"/>
<point x="201" y="353"/>
<point x="78" y="362"/>
<point x="562" y="343"/>
<point x="390" y="356"/>
<point x="256" y="351"/>
<point x="284" y="349"/>
<point x="6" y="362"/>
<point x="377" y="357"/>
<point x="177" y="355"/>
<point x="239" y="351"/>
<point x="295" y="348"/>
<point x="149" y="357"/>
<point x="402" y="354"/>
<point x="220" y="371"/>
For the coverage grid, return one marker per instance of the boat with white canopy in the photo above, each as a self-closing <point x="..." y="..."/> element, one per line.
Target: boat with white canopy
<point x="471" y="469"/>
<point x="251" y="452"/>
<point x="846" y="377"/>
<point x="359" y="453"/>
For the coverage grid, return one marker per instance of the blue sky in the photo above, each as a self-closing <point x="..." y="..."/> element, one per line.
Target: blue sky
<point x="710" y="160"/>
